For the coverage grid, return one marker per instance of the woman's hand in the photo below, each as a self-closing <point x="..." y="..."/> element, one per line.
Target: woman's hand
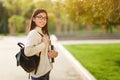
<point x="45" y="40"/>
<point x="52" y="54"/>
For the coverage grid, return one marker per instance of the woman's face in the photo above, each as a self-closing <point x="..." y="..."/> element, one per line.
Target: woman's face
<point x="40" y="19"/>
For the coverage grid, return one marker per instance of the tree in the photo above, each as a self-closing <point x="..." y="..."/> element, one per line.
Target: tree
<point x="103" y="12"/>
<point x="3" y="18"/>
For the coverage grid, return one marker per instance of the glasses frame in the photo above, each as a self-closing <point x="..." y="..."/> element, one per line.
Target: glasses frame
<point x="41" y="17"/>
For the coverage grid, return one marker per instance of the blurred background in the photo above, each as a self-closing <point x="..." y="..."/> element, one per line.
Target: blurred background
<point x="89" y="29"/>
<point x="83" y="19"/>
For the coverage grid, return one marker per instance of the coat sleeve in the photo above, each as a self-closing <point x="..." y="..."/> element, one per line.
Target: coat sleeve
<point x="32" y="46"/>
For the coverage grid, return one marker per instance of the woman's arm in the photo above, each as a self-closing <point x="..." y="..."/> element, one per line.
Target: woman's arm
<point x="32" y="47"/>
<point x="32" y="50"/>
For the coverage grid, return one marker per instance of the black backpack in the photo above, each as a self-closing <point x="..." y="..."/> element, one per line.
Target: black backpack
<point x="27" y="63"/>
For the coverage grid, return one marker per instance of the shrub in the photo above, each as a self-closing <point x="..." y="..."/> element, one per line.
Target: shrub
<point x="18" y="22"/>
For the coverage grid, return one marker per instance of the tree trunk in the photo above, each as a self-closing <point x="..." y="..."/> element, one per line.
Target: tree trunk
<point x="65" y="29"/>
<point x="88" y="28"/>
<point x="118" y="27"/>
<point x="104" y="30"/>
<point x="27" y="26"/>
<point x="12" y="28"/>
<point x="58" y="26"/>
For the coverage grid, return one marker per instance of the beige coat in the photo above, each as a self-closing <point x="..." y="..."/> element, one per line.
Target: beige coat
<point x="33" y="46"/>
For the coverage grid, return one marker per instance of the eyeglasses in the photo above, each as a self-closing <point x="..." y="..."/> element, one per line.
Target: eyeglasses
<point x="41" y="17"/>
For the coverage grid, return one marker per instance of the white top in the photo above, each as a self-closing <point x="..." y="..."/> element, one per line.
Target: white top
<point x="33" y="46"/>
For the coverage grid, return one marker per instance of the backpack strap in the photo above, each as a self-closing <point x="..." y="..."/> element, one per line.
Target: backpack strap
<point x="40" y="34"/>
<point x="38" y="64"/>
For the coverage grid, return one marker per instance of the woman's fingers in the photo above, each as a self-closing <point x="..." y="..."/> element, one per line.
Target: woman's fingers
<point x="45" y="40"/>
<point x="52" y="54"/>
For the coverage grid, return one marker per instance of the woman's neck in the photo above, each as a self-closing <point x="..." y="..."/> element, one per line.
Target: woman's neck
<point x="38" y="29"/>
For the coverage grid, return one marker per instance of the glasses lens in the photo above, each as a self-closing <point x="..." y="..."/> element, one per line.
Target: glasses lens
<point x="41" y="17"/>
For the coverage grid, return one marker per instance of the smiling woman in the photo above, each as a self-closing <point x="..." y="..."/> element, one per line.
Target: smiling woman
<point x="38" y="42"/>
<point x="40" y="20"/>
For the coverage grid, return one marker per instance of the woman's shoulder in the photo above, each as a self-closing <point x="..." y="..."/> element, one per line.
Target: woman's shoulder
<point x="33" y="33"/>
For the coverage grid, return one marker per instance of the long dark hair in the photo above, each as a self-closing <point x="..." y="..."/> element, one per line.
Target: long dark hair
<point x="32" y="23"/>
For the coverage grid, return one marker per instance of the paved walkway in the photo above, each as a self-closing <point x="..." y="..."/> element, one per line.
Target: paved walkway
<point x="65" y="68"/>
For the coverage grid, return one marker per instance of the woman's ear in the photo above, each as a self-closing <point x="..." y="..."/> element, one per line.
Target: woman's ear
<point x="33" y="19"/>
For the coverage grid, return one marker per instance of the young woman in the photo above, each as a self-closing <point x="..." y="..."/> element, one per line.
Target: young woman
<point x="35" y="44"/>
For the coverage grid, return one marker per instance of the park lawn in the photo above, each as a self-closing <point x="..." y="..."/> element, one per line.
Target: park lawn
<point x="101" y="60"/>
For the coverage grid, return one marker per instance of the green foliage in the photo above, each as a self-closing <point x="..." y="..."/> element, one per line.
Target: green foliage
<point x="76" y="12"/>
<point x="13" y="6"/>
<point x="102" y="60"/>
<point x="26" y="10"/>
<point x="94" y="11"/>
<point x="51" y="23"/>
<point x="18" y="22"/>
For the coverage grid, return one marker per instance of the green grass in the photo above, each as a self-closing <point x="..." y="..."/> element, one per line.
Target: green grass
<point x="102" y="60"/>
